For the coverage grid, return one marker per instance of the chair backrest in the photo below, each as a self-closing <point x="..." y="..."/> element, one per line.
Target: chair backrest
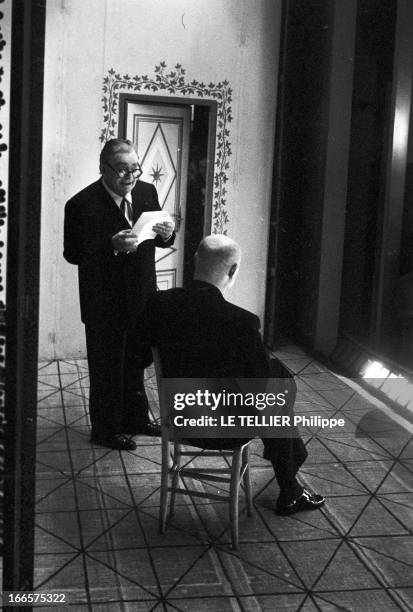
<point x="157" y="363"/>
<point x="182" y="466"/>
<point x="164" y="408"/>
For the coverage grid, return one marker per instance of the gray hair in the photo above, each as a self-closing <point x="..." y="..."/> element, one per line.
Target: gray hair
<point x="116" y="145"/>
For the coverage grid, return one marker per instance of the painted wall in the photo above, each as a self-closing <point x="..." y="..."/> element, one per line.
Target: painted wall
<point x="214" y="41"/>
<point x="5" y="51"/>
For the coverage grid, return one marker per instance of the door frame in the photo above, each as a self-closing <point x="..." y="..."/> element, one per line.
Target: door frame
<point x="395" y="156"/>
<point x="124" y="98"/>
<point x="23" y="265"/>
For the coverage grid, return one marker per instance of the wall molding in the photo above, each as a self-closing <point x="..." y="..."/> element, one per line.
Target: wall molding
<point x="3" y="148"/>
<point x="175" y="83"/>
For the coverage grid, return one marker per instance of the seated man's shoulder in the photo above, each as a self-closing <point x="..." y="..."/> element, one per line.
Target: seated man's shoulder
<point x="166" y="305"/>
<point x="169" y="296"/>
<point x="243" y="316"/>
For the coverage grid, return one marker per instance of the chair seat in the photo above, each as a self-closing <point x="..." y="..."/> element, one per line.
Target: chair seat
<point x="236" y="472"/>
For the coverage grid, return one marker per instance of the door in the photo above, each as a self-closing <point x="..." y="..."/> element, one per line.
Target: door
<point x="161" y="136"/>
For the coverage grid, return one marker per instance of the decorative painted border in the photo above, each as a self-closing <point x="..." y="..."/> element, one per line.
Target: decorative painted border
<point x="174" y="82"/>
<point x="3" y="147"/>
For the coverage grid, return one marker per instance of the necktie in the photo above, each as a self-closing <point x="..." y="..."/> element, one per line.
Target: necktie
<point x="125" y="208"/>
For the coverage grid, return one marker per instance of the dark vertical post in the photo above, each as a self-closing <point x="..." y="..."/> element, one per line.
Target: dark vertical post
<point x="338" y="121"/>
<point x="25" y="159"/>
<point x="299" y="170"/>
<point x="310" y="172"/>
<point x="387" y="270"/>
<point x="270" y="329"/>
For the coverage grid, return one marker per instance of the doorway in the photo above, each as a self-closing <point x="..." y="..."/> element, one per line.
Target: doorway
<point x="161" y="137"/>
<point x="175" y="141"/>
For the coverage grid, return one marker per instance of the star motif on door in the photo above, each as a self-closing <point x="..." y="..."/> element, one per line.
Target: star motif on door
<point x="157" y="174"/>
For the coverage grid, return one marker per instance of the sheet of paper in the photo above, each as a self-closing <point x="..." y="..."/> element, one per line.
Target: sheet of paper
<point x="143" y="226"/>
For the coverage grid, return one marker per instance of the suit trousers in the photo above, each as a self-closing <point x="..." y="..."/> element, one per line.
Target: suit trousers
<point x="287" y="455"/>
<point x="117" y="401"/>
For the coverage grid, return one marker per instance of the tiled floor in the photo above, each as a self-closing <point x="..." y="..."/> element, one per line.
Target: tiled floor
<point x="97" y="537"/>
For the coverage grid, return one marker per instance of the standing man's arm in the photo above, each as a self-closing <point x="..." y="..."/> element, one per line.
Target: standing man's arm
<point x="73" y="230"/>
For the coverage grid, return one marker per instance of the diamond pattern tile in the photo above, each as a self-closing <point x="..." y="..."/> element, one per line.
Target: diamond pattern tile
<point x="97" y="537"/>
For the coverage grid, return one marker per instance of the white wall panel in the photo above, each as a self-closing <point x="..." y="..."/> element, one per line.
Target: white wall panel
<point x="214" y="40"/>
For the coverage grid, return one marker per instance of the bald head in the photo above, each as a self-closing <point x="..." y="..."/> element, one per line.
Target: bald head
<point x="217" y="260"/>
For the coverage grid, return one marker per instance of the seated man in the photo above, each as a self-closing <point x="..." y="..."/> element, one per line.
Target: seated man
<point x="201" y="335"/>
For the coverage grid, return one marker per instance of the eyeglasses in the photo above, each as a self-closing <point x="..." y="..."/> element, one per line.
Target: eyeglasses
<point x="122" y="172"/>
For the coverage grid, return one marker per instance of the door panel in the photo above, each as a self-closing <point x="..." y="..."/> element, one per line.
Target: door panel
<point x="161" y="137"/>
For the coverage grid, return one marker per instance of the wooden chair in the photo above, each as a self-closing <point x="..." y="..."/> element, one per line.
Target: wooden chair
<point x="236" y="472"/>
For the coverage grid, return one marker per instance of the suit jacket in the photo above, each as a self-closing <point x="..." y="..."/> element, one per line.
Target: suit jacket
<point x="113" y="288"/>
<point x="201" y="335"/>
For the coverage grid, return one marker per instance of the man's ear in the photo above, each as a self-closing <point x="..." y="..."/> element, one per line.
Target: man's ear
<point x="232" y="270"/>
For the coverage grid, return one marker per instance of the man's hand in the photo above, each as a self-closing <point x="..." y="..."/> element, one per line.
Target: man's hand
<point x="125" y="241"/>
<point x="164" y="229"/>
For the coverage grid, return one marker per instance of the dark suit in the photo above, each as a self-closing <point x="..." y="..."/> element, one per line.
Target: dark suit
<point x="113" y="290"/>
<point x="201" y="335"/>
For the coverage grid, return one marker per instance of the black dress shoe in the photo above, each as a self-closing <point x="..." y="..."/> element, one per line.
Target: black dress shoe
<point x="149" y="429"/>
<point x="305" y="501"/>
<point x="117" y="442"/>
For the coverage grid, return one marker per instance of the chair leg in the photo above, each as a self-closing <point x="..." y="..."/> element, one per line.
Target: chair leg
<point x="247" y="479"/>
<point x="233" y="493"/>
<point x="163" y="504"/>
<point x="175" y="475"/>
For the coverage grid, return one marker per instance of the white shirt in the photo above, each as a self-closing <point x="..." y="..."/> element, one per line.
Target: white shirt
<point x="118" y="200"/>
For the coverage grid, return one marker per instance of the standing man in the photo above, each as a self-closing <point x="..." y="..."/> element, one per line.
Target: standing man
<point x="116" y="279"/>
<point x="201" y="335"/>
